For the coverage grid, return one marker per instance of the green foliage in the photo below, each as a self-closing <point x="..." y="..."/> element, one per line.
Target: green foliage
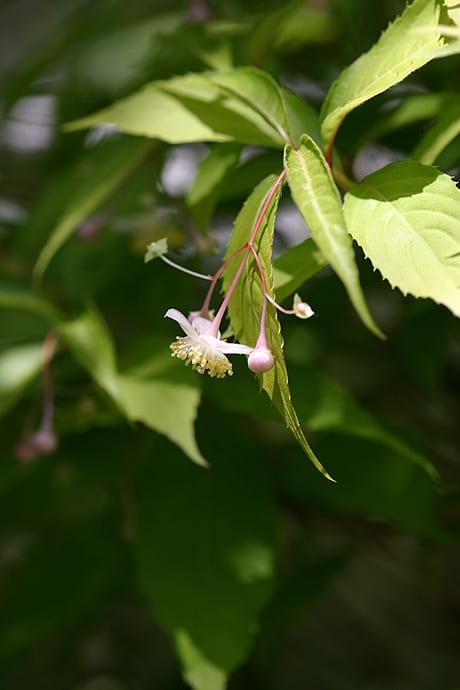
<point x="406" y="218"/>
<point x="157" y="522"/>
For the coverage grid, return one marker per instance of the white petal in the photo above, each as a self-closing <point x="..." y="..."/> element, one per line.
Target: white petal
<point x="182" y="321"/>
<point x="200" y="324"/>
<point x="234" y="348"/>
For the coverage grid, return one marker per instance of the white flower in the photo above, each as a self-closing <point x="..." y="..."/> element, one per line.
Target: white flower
<point x="206" y="353"/>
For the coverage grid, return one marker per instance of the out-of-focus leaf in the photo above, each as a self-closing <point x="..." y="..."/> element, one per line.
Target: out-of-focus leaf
<point x="408" y="44"/>
<point x="89" y="340"/>
<point x="18" y="298"/>
<point x="406" y="217"/>
<point x="206" y="550"/>
<point x="168" y="408"/>
<point x="372" y="480"/>
<point x="18" y="367"/>
<point x="111" y="170"/>
<point x="207" y="185"/>
<point x="439" y="136"/>
<point x="294" y="266"/>
<point x="246" y="304"/>
<point x="317" y="198"/>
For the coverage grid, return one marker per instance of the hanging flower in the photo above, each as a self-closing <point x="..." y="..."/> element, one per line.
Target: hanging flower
<point x="205" y="352"/>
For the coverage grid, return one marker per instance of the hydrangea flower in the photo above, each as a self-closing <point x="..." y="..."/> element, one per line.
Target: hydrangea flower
<point x="200" y="348"/>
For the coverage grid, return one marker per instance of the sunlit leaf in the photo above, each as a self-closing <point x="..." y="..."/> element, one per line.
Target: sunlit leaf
<point x="406" y="217"/>
<point x="407" y="44"/>
<point x="166" y="407"/>
<point x="246" y="304"/>
<point x="260" y="92"/>
<point x="206" y="549"/>
<point x="317" y="198"/>
<point x="18" y="367"/>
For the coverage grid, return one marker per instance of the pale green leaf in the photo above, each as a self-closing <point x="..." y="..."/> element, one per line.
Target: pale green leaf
<point x="18" y="367"/>
<point x="294" y="266"/>
<point x="407" y="44"/>
<point x="261" y="93"/>
<point x="246" y="304"/>
<point x="406" y="217"/>
<point x="94" y="190"/>
<point x="156" y="249"/>
<point x="88" y="339"/>
<point x="168" y="408"/>
<point x="205" y="554"/>
<point x="440" y="135"/>
<point x="317" y="198"/>
<point x="184" y="109"/>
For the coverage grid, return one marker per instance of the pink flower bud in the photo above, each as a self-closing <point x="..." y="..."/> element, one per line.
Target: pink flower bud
<point x="302" y="309"/>
<point x="261" y="360"/>
<point x="45" y="441"/>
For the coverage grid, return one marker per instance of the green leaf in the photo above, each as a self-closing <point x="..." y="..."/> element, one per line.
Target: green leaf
<point x="206" y="550"/>
<point x="168" y="408"/>
<point x="438" y="137"/>
<point x="184" y="109"/>
<point x="18" y="298"/>
<point x="204" y="193"/>
<point x="90" y="342"/>
<point x="406" y="217"/>
<point x="302" y="118"/>
<point x="407" y="44"/>
<point x="18" y="367"/>
<point x="246" y="304"/>
<point x="261" y="93"/>
<point x="94" y="190"/>
<point x="294" y="266"/>
<point x="317" y="198"/>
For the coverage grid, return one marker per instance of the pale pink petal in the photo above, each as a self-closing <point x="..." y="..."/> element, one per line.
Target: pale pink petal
<point x="182" y="321"/>
<point x="234" y="348"/>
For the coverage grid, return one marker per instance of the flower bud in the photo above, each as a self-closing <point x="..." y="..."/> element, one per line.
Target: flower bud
<point x="261" y="360"/>
<point x="302" y="309"/>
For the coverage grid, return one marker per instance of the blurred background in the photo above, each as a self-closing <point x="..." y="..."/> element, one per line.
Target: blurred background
<point x="366" y="593"/>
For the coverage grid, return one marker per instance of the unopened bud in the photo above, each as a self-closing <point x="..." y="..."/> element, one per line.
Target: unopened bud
<point x="302" y="309"/>
<point x="260" y="361"/>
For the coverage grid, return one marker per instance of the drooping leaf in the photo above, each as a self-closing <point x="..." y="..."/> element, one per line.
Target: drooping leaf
<point x="246" y="304"/>
<point x="206" y="550"/>
<point x="184" y="109"/>
<point x="18" y="367"/>
<point x="260" y="92"/>
<point x="302" y="118"/>
<point x="168" y="408"/>
<point x="317" y="198"/>
<point x="406" y="45"/>
<point x="294" y="266"/>
<point x="439" y="136"/>
<point x="94" y="190"/>
<point x="89" y="340"/>
<point x="406" y="217"/>
<point x="207" y="185"/>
